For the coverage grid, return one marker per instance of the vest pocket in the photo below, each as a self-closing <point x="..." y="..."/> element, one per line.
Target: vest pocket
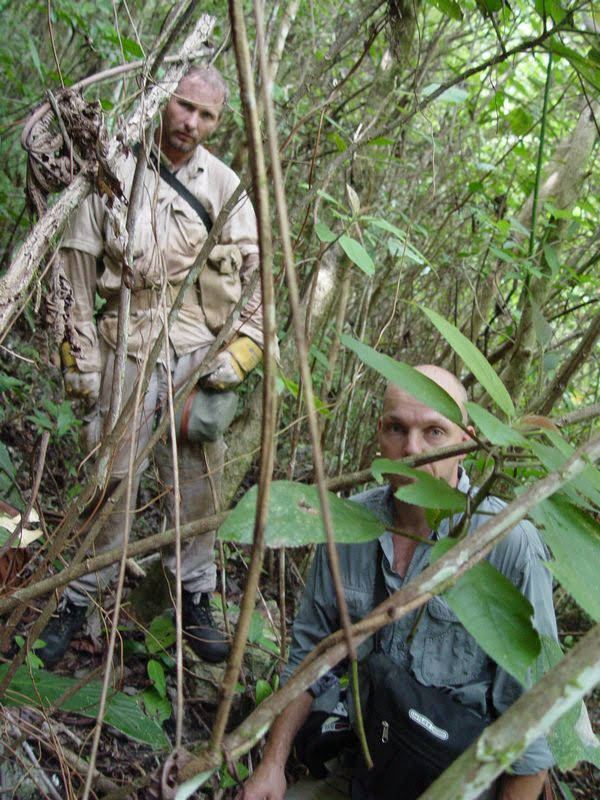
<point x="450" y="655"/>
<point x="220" y="285"/>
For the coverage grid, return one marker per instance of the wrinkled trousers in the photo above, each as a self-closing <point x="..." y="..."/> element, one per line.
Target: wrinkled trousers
<point x="200" y="467"/>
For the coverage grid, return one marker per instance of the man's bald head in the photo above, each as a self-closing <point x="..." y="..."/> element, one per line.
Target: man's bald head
<point x="408" y="427"/>
<point x="445" y="379"/>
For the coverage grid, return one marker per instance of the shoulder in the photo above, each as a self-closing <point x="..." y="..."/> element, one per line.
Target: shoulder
<point x="217" y="169"/>
<point x="376" y="500"/>
<point x="518" y="547"/>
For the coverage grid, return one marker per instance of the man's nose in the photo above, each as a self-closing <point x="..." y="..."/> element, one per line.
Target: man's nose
<point x="191" y="120"/>
<point x="412" y="443"/>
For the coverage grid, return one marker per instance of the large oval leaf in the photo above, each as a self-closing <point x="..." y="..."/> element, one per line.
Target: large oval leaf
<point x="575" y="542"/>
<point x="493" y="429"/>
<point x="41" y="689"/>
<point x="475" y="361"/>
<point x="294" y="518"/>
<point x="420" y="386"/>
<point x="495" y="613"/>
<point x="426" y="490"/>
<point x="357" y="254"/>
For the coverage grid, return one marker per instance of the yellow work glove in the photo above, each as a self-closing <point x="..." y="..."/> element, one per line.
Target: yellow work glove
<point x="85" y="385"/>
<point x="232" y="365"/>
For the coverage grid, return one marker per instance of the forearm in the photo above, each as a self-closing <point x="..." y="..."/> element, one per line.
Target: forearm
<point x="286" y="726"/>
<point x="268" y="780"/>
<point x="522" y="787"/>
<point x="80" y="270"/>
<point x="251" y="317"/>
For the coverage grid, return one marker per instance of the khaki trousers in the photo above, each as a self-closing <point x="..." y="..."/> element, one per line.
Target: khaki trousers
<point x="200" y="468"/>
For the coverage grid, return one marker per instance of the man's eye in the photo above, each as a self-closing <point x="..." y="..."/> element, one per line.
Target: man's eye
<point x="436" y="432"/>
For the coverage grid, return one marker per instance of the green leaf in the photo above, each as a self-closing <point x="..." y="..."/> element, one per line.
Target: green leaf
<point x="263" y="690"/>
<point x="415" y="383"/>
<point x="509" y="258"/>
<point x="453" y="95"/>
<point x="156" y="706"/>
<point x="474" y="360"/>
<point x="575" y="543"/>
<point x="520" y="121"/>
<point x="156" y="673"/>
<point x="66" y="421"/>
<point x="496" y="614"/>
<point x="132" y="48"/>
<point x="587" y="483"/>
<point x="257" y="624"/>
<point x="41" y="421"/>
<point x="122" y="711"/>
<point x="8" y="382"/>
<point x="324" y="233"/>
<point x="552" y="259"/>
<point x="492" y="428"/>
<point x="226" y="779"/>
<point x="357" y="254"/>
<point x="36" y="59"/>
<point x="294" y="518"/>
<point x="161" y="634"/>
<point x="491" y="5"/>
<point x="6" y="464"/>
<point x="543" y="330"/>
<point x="552" y="8"/>
<point x="426" y="491"/>
<point x="571" y="739"/>
<point x="448" y="7"/>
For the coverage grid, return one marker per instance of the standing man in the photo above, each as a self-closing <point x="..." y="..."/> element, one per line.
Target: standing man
<point x="439" y="652"/>
<point x="170" y="230"/>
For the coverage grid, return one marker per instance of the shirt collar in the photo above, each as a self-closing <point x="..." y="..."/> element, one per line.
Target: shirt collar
<point x="196" y="163"/>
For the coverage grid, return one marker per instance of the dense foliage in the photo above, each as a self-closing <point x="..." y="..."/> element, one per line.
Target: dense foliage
<point x="440" y="173"/>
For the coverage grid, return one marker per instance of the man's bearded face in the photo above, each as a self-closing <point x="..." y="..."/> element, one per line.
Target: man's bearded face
<point x="192" y="114"/>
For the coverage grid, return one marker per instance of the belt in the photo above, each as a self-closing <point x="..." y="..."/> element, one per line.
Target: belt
<point x="146" y="299"/>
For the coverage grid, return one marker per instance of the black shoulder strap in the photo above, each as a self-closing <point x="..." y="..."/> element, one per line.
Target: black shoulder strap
<point x="379" y="591"/>
<point x="182" y="191"/>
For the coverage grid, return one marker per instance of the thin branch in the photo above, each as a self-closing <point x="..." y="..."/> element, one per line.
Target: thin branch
<point x="242" y="55"/>
<point x="570" y="367"/>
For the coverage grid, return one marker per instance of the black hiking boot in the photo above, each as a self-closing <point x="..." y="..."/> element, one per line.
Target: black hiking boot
<point x="58" y="633"/>
<point x="203" y="636"/>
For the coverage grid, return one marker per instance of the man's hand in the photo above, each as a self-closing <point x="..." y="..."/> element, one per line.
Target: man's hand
<point x="85" y="385"/>
<point x="266" y="783"/>
<point x="225" y="374"/>
<point x="268" y="780"/>
<point x="232" y="365"/>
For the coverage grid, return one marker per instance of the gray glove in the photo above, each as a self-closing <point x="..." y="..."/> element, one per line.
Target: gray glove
<point x="225" y="373"/>
<point x="85" y="385"/>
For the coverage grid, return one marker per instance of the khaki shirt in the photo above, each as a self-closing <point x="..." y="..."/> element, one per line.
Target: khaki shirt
<point x="168" y="237"/>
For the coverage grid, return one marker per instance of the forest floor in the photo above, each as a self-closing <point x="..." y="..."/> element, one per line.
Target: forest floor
<point x="45" y="761"/>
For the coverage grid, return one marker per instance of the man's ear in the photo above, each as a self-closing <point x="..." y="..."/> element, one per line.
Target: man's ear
<point x="467" y="436"/>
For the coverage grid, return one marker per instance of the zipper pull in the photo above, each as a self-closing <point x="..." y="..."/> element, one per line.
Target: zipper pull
<point x="384" y="731"/>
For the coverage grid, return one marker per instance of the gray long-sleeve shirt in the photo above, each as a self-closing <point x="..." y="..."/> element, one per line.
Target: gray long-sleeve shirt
<point x="441" y="653"/>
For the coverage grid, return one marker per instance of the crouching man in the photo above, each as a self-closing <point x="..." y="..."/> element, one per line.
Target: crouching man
<point x="433" y="651"/>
